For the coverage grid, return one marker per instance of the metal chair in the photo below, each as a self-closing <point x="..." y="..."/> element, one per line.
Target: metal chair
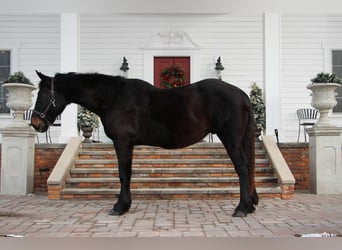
<point x="306" y="117"/>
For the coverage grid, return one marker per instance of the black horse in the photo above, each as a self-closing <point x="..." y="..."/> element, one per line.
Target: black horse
<point x="133" y="112"/>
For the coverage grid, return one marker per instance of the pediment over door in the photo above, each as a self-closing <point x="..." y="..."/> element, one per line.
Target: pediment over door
<point x="174" y="40"/>
<point x="171" y="44"/>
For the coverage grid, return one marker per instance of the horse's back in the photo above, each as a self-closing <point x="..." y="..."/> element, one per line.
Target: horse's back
<point x="221" y="95"/>
<point x="229" y="106"/>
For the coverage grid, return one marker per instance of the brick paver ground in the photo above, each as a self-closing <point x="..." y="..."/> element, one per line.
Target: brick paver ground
<point x="39" y="217"/>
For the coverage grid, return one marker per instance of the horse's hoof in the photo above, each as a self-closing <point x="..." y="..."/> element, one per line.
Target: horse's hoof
<point x="251" y="209"/>
<point x="255" y="199"/>
<point x="238" y="213"/>
<point x="114" y="212"/>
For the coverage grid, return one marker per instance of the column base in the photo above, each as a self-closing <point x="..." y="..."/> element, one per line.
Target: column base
<point x="325" y="159"/>
<point x="17" y="163"/>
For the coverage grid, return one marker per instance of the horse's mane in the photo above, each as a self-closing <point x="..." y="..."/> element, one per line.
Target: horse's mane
<point x="87" y="79"/>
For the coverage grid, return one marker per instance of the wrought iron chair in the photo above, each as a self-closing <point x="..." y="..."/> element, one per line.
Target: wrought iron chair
<point x="306" y="117"/>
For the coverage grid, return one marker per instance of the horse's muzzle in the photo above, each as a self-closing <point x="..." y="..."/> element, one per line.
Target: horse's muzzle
<point x="39" y="124"/>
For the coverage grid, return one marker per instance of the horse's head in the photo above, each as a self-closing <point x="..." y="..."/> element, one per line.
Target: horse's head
<point x="50" y="103"/>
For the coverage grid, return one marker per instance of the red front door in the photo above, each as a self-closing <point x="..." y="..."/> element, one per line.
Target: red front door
<point x="162" y="63"/>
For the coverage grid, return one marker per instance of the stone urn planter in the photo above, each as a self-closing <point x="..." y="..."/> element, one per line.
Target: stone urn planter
<point x="87" y="121"/>
<point x="87" y="133"/>
<point x="19" y="99"/>
<point x="324" y="97"/>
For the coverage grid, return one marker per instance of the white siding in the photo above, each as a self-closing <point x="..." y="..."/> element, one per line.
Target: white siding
<point x="238" y="39"/>
<point x="37" y="38"/>
<point x="302" y="38"/>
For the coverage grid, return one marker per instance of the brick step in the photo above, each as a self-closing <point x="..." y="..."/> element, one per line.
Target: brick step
<point x="165" y="172"/>
<point x="166" y="182"/>
<point x="163" y="154"/>
<point x="102" y="163"/>
<point x="167" y="193"/>
<point x="200" y="145"/>
<point x="202" y="170"/>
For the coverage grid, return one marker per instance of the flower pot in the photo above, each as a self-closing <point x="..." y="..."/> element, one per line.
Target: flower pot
<point x="323" y="99"/>
<point x="19" y="99"/>
<point x="87" y="133"/>
<point x="257" y="134"/>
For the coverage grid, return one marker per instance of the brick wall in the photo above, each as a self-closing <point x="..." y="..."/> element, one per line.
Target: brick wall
<point x="295" y="154"/>
<point x="45" y="159"/>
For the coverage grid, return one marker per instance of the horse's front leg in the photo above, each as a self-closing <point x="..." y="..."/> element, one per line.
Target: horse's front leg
<point x="124" y="152"/>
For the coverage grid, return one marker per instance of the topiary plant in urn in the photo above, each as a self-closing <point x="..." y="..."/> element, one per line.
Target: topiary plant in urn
<point x="19" y="96"/>
<point x="323" y="95"/>
<point x="87" y="121"/>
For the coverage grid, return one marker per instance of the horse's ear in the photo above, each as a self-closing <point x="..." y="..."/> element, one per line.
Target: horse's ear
<point x="42" y="76"/>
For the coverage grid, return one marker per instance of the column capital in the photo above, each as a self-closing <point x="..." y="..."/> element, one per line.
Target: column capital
<point x="324" y="131"/>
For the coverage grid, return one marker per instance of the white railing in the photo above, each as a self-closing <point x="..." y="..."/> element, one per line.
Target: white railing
<point x="283" y="171"/>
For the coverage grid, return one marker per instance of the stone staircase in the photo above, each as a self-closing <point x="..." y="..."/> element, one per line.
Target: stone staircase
<point x="199" y="171"/>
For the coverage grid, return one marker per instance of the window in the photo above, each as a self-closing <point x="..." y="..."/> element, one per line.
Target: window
<point x="337" y="69"/>
<point x="5" y="69"/>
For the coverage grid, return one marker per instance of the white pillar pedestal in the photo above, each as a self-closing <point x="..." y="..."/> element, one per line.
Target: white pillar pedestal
<point x="325" y="160"/>
<point x="17" y="162"/>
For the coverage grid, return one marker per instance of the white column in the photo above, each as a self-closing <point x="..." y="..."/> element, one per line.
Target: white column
<point x="272" y="72"/>
<point x="70" y="51"/>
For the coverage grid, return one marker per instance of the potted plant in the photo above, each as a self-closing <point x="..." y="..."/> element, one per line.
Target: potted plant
<point x="19" y="96"/>
<point x="258" y="107"/>
<point x="87" y="121"/>
<point x="323" y="88"/>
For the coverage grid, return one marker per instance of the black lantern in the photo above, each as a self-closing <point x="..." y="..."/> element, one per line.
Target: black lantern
<point x="219" y="66"/>
<point x="124" y="67"/>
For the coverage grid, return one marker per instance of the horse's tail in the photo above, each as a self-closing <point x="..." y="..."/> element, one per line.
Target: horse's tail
<point x="249" y="146"/>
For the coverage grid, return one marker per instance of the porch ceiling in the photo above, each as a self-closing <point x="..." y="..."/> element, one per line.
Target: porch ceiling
<point x="177" y="6"/>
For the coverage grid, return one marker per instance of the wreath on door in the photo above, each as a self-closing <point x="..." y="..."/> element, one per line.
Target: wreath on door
<point x="172" y="77"/>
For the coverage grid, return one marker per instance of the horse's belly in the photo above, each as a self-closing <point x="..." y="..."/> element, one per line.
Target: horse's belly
<point x="176" y="129"/>
<point x="173" y="139"/>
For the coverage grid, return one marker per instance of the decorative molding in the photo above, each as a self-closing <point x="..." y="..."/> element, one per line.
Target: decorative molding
<point x="14" y="48"/>
<point x="173" y="40"/>
<point x="327" y="50"/>
<point x="171" y="43"/>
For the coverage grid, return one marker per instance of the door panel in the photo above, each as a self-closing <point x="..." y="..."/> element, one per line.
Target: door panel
<point x="161" y="63"/>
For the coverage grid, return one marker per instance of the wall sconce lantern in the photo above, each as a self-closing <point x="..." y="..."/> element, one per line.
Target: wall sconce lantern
<point x="124" y="67"/>
<point x="219" y="68"/>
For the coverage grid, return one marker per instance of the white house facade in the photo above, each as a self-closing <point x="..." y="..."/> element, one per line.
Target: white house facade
<point x="280" y="51"/>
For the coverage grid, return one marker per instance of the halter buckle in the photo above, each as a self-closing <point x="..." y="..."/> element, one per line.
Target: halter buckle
<point x="53" y="102"/>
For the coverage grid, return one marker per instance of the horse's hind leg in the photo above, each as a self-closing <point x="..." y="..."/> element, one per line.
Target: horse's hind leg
<point x="124" y="154"/>
<point x="239" y="159"/>
<point x="241" y="166"/>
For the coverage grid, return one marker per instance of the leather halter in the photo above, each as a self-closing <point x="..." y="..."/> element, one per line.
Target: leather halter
<point x="52" y="102"/>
